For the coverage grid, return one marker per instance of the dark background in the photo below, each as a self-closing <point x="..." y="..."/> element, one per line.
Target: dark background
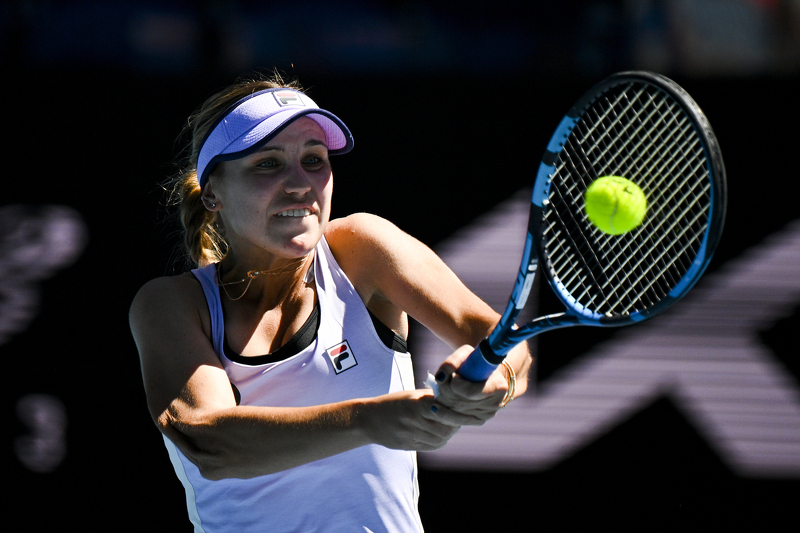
<point x="451" y="110"/>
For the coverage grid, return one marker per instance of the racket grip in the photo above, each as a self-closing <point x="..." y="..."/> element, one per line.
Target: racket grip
<point x="481" y="363"/>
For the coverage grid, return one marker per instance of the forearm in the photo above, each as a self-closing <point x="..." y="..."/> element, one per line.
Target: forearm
<point x="248" y="441"/>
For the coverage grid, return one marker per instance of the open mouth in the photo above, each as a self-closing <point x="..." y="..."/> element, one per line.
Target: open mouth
<point x="295" y="213"/>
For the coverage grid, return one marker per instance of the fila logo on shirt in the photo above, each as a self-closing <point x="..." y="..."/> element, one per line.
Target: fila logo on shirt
<point x="341" y="357"/>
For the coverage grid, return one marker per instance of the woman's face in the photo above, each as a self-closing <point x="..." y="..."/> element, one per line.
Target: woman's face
<point x="278" y="199"/>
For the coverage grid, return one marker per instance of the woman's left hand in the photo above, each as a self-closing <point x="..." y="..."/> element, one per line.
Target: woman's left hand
<point x="480" y="400"/>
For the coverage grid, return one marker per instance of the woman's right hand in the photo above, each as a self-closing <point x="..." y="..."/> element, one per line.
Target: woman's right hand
<point x="410" y="420"/>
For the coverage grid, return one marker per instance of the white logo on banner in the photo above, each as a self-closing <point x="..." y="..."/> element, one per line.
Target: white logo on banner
<point x="35" y="242"/>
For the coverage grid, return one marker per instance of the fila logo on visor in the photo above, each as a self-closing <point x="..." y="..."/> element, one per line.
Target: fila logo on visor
<point x="341" y="357"/>
<point x="289" y="98"/>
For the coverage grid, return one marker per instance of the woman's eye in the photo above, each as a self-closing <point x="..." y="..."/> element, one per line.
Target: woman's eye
<point x="313" y="161"/>
<point x="267" y="163"/>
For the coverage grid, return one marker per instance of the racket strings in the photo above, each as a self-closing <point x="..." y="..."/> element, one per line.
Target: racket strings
<point x="641" y="133"/>
<point x="634" y="278"/>
<point x="678" y="145"/>
<point x="669" y="149"/>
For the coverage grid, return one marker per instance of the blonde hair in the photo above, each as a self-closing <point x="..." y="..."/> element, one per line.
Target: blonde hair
<point x="203" y="240"/>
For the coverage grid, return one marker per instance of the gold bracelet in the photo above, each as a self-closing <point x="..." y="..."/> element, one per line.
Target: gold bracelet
<point x="511" y="376"/>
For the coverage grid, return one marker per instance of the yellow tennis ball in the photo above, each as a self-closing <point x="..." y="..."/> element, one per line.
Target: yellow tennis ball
<point x="615" y="205"/>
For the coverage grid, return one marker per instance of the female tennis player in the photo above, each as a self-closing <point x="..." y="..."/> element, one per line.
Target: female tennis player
<point x="277" y="369"/>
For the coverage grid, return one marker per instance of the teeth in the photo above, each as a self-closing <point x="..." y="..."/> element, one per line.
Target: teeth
<point x="295" y="213"/>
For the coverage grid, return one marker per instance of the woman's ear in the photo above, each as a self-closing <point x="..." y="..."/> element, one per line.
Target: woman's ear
<point x="209" y="198"/>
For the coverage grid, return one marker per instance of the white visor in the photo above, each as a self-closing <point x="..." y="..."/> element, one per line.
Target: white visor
<point x="252" y="121"/>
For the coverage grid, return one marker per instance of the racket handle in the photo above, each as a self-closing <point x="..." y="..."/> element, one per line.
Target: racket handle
<point x="481" y="363"/>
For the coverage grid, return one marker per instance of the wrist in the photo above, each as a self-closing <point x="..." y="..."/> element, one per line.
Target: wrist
<point x="366" y="418"/>
<point x="511" y="380"/>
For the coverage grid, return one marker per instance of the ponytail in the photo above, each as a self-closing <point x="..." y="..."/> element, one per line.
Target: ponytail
<point x="203" y="242"/>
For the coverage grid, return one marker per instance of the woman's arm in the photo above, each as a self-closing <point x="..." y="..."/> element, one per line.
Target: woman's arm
<point x="191" y="401"/>
<point x="396" y="274"/>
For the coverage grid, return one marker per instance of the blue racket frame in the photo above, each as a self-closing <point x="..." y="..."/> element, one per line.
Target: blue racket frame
<point x="492" y="350"/>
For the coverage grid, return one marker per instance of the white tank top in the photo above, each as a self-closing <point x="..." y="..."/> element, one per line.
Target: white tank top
<point x="371" y="488"/>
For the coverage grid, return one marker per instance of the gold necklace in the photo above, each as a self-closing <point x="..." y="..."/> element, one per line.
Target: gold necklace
<point x="252" y="274"/>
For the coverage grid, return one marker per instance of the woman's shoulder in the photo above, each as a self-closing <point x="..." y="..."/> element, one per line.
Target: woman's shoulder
<point x="168" y="284"/>
<point x="358" y="230"/>
<point x="373" y="251"/>
<point x="359" y="243"/>
<point x="168" y="294"/>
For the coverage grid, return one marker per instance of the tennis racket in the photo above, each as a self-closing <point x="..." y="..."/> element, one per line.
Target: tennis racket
<point x="642" y="126"/>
